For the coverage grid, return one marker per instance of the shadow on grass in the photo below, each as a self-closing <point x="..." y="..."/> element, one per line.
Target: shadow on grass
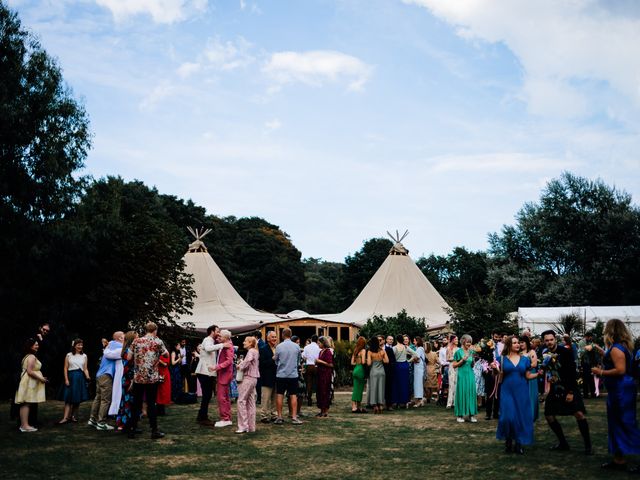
<point x="417" y="442"/>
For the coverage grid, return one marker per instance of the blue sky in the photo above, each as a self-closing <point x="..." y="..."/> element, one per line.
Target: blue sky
<point x="339" y="120"/>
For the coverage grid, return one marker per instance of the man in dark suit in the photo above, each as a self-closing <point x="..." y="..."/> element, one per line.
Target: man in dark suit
<point x="261" y="344"/>
<point x="267" y="367"/>
<point x="389" y="371"/>
<point x="564" y="396"/>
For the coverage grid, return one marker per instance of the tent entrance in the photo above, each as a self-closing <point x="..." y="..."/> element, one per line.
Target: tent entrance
<point x="303" y="332"/>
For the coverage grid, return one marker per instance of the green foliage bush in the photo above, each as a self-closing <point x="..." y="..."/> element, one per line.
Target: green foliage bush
<point x="343" y="349"/>
<point x="400" y="324"/>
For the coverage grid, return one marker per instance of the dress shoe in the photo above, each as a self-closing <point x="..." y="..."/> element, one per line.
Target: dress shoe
<point x="560" y="447"/>
<point x="157" y="434"/>
<point x="613" y="466"/>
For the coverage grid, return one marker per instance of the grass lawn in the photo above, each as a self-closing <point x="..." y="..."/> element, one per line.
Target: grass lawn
<point x="417" y="443"/>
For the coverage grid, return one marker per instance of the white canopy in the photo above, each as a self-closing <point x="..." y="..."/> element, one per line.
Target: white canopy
<point x="216" y="302"/>
<point x="398" y="284"/>
<point x="539" y="319"/>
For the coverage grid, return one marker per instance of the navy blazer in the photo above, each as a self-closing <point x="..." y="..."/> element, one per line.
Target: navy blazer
<point x="267" y="366"/>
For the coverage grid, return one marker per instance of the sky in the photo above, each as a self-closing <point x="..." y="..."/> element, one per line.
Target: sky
<point x="340" y="120"/>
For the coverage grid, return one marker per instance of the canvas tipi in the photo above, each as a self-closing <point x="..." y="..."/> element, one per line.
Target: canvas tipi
<point x="216" y="302"/>
<point x="398" y="284"/>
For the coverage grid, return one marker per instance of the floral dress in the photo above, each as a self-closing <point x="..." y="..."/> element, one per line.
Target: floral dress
<point x="126" y="402"/>
<point x="478" y="369"/>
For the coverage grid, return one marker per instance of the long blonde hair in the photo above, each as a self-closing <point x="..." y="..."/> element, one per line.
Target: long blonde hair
<point x="615" y="331"/>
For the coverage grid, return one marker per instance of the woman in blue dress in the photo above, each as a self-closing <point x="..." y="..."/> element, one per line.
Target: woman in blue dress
<point x="624" y="435"/>
<point x="527" y="351"/>
<point x="515" y="424"/>
<point x="400" y="394"/>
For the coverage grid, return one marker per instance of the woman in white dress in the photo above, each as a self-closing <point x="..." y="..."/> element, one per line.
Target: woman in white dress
<point x="418" y="373"/>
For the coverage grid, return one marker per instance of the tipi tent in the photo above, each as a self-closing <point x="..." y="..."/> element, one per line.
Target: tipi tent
<point x="398" y="284"/>
<point x="216" y="302"/>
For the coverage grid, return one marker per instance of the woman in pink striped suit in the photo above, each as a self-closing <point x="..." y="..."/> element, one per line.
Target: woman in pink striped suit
<point x="247" y="388"/>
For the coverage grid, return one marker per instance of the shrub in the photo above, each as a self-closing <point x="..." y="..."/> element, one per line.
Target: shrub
<point x="342" y="362"/>
<point x="399" y="325"/>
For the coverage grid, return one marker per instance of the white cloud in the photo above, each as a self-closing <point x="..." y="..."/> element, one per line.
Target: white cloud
<point x="162" y="11"/>
<point x="317" y="68"/>
<point x="228" y="55"/>
<point x="272" y="125"/>
<point x="160" y="92"/>
<point x="564" y="47"/>
<point x="499" y="162"/>
<point x="187" y="69"/>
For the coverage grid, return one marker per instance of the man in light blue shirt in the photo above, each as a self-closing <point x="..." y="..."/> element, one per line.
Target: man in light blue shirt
<point x="287" y="359"/>
<point x="104" y="383"/>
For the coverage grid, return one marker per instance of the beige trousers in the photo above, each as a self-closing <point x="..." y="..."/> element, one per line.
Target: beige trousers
<point x="268" y="404"/>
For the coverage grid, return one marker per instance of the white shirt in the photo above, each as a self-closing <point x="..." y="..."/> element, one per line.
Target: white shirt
<point x="311" y="353"/>
<point x="442" y="356"/>
<point x="77" y="362"/>
<point x="183" y="352"/>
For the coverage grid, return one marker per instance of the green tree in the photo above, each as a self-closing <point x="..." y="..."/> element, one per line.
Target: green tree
<point x="272" y="277"/>
<point x="458" y="275"/>
<point x="360" y="267"/>
<point x="128" y="261"/>
<point x="580" y="244"/>
<point x="44" y="139"/>
<point x="400" y="324"/>
<point x="479" y="315"/>
<point x="44" y="131"/>
<point x="322" y="285"/>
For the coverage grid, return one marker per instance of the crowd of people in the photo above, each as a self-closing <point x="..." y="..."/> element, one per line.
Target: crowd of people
<point x="508" y="376"/>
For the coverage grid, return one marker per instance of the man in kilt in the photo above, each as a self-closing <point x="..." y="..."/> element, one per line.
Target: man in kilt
<point x="564" y="396"/>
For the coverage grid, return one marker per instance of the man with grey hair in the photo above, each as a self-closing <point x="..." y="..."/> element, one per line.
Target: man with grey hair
<point x="224" y="372"/>
<point x="104" y="383"/>
<point x="287" y="358"/>
<point x="268" y="378"/>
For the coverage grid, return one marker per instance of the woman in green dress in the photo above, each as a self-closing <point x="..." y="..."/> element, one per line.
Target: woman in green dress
<point x="466" y="404"/>
<point x="358" y="359"/>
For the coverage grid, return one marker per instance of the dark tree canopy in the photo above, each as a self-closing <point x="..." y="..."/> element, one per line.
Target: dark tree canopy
<point x="322" y="286"/>
<point x="44" y="131"/>
<point x="458" y="275"/>
<point x="580" y="244"/>
<point x="400" y="324"/>
<point x="479" y="315"/>
<point x="133" y="256"/>
<point x="273" y="277"/>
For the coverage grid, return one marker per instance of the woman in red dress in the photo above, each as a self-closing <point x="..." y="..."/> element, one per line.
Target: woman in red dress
<point x="164" y="389"/>
<point x="324" y="364"/>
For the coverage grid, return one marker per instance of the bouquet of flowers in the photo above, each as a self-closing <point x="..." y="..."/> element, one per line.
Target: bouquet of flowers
<point x="484" y="350"/>
<point x="551" y="365"/>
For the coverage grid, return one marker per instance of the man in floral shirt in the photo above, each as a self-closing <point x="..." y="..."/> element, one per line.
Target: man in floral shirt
<point x="146" y="356"/>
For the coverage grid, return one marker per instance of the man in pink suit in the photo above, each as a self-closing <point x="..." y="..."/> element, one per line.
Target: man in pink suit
<point x="224" y="369"/>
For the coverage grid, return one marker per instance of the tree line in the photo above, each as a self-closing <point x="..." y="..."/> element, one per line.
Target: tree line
<point x="94" y="255"/>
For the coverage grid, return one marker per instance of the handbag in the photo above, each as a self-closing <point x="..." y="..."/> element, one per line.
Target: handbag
<point x="239" y="376"/>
